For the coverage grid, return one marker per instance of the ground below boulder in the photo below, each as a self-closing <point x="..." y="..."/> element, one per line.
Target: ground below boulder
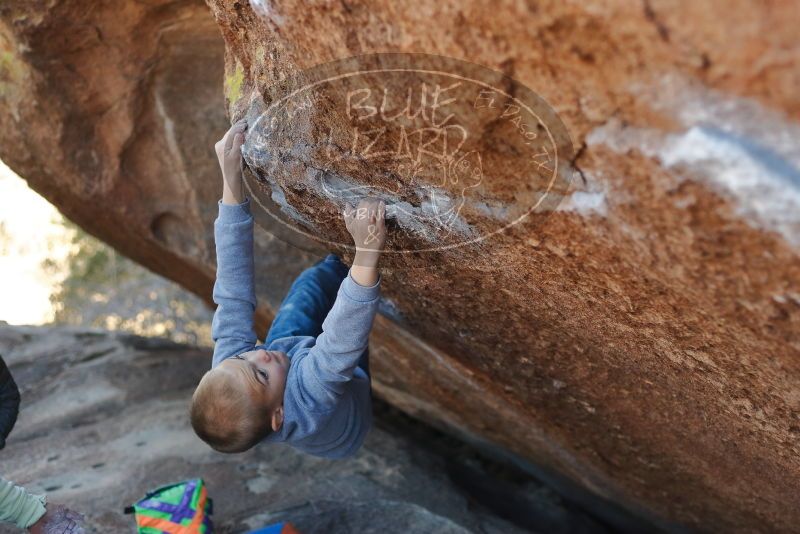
<point x="105" y="418"/>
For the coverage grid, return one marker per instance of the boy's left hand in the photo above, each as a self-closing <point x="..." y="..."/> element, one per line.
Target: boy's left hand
<point x="229" y="153"/>
<point x="367" y="225"/>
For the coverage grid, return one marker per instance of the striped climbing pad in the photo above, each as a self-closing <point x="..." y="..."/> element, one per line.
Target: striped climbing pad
<point x="182" y="508"/>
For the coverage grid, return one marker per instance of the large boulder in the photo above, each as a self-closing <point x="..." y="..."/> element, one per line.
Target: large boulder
<point x="639" y="338"/>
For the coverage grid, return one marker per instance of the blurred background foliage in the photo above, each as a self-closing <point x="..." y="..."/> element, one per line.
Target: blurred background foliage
<point x="99" y="287"/>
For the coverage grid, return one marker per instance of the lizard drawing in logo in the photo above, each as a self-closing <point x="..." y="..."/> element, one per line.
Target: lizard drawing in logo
<point x="459" y="175"/>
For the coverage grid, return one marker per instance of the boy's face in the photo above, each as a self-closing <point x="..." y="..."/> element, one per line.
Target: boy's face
<point x="262" y="374"/>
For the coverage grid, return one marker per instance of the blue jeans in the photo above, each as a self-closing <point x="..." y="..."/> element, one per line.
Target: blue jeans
<point x="308" y="302"/>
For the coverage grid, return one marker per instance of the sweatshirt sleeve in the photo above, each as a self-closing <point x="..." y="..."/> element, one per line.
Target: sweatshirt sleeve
<point x="345" y="334"/>
<point x="18" y="506"/>
<point x="234" y="294"/>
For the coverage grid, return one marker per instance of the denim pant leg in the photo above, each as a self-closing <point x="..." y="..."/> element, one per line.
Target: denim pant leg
<point x="363" y="362"/>
<point x="309" y="300"/>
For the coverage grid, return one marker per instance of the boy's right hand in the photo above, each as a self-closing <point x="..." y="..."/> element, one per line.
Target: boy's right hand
<point x="229" y="153"/>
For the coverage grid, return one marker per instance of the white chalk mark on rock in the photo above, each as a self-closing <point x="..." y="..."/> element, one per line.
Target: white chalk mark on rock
<point x="585" y="203"/>
<point x="745" y="151"/>
<point x="266" y="10"/>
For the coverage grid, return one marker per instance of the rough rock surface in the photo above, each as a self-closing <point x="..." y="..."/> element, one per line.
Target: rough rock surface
<point x="641" y="342"/>
<point x="103" y="420"/>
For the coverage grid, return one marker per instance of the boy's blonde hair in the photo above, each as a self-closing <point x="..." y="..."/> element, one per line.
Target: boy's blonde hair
<point x="225" y="416"/>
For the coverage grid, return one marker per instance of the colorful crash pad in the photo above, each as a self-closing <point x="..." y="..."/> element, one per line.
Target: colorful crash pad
<point x="182" y="508"/>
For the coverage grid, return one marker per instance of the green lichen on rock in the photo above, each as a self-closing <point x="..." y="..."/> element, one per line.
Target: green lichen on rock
<point x="11" y="71"/>
<point x="233" y="84"/>
<point x="8" y="64"/>
<point x="261" y="54"/>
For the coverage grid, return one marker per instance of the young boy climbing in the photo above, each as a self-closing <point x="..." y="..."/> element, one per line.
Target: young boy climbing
<point x="308" y="385"/>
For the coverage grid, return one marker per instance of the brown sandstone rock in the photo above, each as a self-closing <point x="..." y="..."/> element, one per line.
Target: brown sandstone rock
<point x="641" y="341"/>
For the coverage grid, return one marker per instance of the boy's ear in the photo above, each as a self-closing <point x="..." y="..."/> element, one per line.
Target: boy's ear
<point x="277" y="418"/>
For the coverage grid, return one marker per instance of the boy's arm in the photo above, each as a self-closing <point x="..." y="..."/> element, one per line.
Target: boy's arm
<point x="345" y="331"/>
<point x="232" y="327"/>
